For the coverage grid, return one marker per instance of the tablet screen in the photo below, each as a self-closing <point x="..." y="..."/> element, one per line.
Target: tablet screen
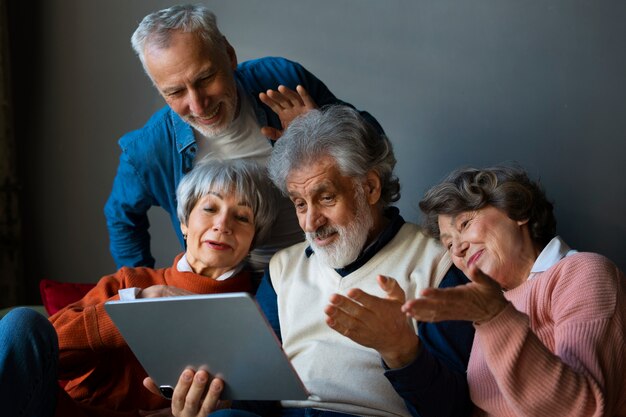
<point x="226" y="334"/>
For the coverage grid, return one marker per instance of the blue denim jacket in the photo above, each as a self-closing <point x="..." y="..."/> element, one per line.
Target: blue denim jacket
<point x="155" y="158"/>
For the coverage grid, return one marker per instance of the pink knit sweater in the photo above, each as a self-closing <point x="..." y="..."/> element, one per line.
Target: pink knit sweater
<point x="559" y="348"/>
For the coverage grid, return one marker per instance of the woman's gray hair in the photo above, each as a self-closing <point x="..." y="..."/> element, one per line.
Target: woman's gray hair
<point x="506" y="188"/>
<point x="341" y="133"/>
<point x="156" y="28"/>
<point x="245" y="178"/>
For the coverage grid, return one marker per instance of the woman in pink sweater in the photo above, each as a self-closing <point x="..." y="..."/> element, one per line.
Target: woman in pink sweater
<point x="550" y="322"/>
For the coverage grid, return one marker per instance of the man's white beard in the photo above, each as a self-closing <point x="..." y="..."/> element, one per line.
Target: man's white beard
<point x="211" y="131"/>
<point x="230" y="111"/>
<point x="351" y="238"/>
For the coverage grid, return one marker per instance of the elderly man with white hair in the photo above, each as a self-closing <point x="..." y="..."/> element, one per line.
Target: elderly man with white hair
<point x="332" y="299"/>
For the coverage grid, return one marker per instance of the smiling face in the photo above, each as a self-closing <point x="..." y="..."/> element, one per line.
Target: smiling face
<point x="488" y="239"/>
<point x="219" y="233"/>
<point x="338" y="216"/>
<point x="196" y="81"/>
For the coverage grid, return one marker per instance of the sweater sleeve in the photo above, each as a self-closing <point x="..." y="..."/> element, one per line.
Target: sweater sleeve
<point x="85" y="329"/>
<point x="578" y="376"/>
<point x="435" y="383"/>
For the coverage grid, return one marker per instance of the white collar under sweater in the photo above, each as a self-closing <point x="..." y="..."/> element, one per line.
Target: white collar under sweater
<point x="554" y="251"/>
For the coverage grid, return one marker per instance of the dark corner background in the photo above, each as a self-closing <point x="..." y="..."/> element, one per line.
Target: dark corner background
<point x="24" y="80"/>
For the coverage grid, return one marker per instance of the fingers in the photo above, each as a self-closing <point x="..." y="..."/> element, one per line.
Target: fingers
<point x="169" y="291"/>
<point x="436" y="305"/>
<point x="212" y="399"/>
<point x="285" y="98"/>
<point x="429" y="308"/>
<point x="391" y="288"/>
<point x="271" y="133"/>
<point x="288" y="105"/>
<point x="196" y="394"/>
<point x="479" y="277"/>
<point x="196" y="391"/>
<point x="292" y="97"/>
<point x="342" y="312"/>
<point x="477" y="302"/>
<point x="156" y="291"/>
<point x="306" y="98"/>
<point x="360" y="306"/>
<point x="282" y="99"/>
<point x="375" y="322"/>
<point x="151" y="386"/>
<point x="153" y="291"/>
<point x="180" y="391"/>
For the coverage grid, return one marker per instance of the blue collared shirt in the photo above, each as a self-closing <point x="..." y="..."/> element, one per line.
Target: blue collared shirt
<point x="155" y="157"/>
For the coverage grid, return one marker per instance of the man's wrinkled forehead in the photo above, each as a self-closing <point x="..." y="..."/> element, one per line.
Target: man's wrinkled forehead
<point x="323" y="173"/>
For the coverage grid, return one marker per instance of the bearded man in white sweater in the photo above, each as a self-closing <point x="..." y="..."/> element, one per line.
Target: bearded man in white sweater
<point x="334" y="300"/>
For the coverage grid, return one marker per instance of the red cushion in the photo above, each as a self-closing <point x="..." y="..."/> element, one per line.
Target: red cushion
<point x="56" y="295"/>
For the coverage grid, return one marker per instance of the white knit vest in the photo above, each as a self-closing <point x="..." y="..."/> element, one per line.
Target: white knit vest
<point x="340" y="374"/>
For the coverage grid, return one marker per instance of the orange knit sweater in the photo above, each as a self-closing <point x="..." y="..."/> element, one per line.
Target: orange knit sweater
<point x="101" y="369"/>
<point x="559" y="349"/>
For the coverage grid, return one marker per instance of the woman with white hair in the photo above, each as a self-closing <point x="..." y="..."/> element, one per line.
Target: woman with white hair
<point x="225" y="208"/>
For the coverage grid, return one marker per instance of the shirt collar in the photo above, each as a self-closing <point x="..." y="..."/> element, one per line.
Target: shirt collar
<point x="554" y="251"/>
<point x="182" y="131"/>
<point x="389" y="232"/>
<point x="183" y="266"/>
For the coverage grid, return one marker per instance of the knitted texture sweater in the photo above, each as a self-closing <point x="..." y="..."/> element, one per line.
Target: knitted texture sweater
<point x="559" y="348"/>
<point x="101" y="369"/>
<point x="340" y="374"/>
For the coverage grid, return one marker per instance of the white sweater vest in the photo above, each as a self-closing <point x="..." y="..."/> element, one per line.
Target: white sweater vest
<point x="340" y="374"/>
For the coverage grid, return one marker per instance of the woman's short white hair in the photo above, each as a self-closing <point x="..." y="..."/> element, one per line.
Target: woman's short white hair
<point x="245" y="178"/>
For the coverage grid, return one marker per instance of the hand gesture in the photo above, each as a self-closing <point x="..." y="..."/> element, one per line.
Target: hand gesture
<point x="196" y="394"/>
<point x="375" y="322"/>
<point x="288" y="105"/>
<point x="156" y="291"/>
<point x="478" y="301"/>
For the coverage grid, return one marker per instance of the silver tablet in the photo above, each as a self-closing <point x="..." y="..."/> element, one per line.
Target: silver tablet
<point x="226" y="334"/>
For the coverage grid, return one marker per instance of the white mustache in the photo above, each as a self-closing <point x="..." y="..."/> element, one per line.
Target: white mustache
<point x="322" y="232"/>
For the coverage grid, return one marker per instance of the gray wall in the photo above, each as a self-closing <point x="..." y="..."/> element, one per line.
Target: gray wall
<point x="452" y="82"/>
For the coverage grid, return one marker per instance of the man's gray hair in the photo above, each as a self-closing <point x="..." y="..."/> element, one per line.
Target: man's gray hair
<point x="156" y="28"/>
<point x="341" y="133"/>
<point x="245" y="178"/>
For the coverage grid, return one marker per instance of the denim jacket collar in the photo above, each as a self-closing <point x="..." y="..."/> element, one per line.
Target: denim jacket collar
<point x="260" y="114"/>
<point x="183" y="133"/>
